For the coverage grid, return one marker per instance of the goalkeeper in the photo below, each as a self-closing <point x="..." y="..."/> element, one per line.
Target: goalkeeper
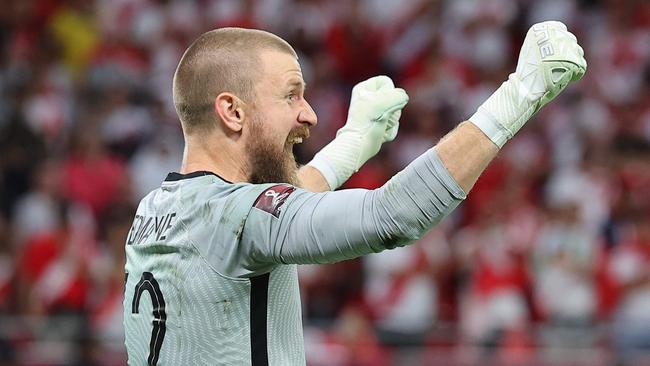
<point x="216" y="247"/>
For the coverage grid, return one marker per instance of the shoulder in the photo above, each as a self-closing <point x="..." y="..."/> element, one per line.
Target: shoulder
<point x="223" y="216"/>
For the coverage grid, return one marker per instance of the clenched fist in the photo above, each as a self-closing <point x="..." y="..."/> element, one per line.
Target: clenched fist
<point x="549" y="60"/>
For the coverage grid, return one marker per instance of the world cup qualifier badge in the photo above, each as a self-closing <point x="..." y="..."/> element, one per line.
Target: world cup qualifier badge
<point x="272" y="199"/>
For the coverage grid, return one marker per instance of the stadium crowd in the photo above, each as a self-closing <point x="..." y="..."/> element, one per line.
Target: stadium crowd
<point x="547" y="260"/>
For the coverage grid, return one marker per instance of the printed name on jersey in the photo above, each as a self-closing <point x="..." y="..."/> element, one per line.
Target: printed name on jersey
<point x="144" y="226"/>
<point x="272" y="199"/>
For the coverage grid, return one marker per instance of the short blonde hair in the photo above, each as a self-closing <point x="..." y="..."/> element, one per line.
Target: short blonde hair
<point x="221" y="60"/>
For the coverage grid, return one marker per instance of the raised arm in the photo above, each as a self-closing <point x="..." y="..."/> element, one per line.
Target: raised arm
<point x="466" y="152"/>
<point x="320" y="228"/>
<point x="549" y="60"/>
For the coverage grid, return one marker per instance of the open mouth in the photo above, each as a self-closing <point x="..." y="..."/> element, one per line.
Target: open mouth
<point x="294" y="140"/>
<point x="297" y="136"/>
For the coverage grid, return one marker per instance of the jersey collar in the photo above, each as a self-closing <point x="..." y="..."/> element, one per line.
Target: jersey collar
<point x="173" y="176"/>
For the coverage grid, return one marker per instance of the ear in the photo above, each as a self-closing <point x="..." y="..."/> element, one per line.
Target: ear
<point x="231" y="111"/>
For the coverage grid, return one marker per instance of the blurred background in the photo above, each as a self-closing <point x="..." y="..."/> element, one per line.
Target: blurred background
<point x="546" y="263"/>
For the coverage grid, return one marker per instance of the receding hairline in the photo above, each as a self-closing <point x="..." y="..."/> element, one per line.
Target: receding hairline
<point x="220" y="60"/>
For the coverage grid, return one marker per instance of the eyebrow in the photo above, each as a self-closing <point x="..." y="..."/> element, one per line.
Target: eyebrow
<point x="297" y="83"/>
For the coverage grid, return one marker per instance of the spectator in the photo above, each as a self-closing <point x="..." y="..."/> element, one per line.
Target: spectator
<point x="564" y="263"/>
<point x="37" y="212"/>
<point x="107" y="275"/>
<point x="52" y="269"/>
<point x="495" y="302"/>
<point x="152" y="162"/>
<point x="350" y="342"/>
<point x="92" y="176"/>
<point x="401" y="286"/>
<point x="630" y="266"/>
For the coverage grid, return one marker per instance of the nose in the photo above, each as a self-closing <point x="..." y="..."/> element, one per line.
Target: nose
<point x="307" y="115"/>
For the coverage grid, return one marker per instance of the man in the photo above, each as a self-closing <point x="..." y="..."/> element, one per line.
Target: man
<point x="215" y="247"/>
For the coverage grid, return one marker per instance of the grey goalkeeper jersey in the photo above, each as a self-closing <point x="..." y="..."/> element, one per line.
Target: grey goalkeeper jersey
<point x="211" y="274"/>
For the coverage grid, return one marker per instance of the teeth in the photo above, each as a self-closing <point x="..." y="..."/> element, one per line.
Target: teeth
<point x="295" y="140"/>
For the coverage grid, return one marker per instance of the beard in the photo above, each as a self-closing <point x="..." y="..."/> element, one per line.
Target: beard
<point x="269" y="161"/>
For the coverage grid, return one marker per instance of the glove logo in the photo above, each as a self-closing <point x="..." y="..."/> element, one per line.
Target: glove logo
<point x="543" y="40"/>
<point x="272" y="199"/>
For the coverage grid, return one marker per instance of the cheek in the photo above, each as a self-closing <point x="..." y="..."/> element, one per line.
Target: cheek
<point x="274" y="135"/>
<point x="270" y="137"/>
<point x="276" y="124"/>
<point x="278" y="132"/>
<point x="263" y="129"/>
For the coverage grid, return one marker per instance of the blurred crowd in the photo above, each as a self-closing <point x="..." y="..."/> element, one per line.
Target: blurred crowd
<point x="548" y="260"/>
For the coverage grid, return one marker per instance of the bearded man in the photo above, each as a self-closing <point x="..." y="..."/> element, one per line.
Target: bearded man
<point x="216" y="246"/>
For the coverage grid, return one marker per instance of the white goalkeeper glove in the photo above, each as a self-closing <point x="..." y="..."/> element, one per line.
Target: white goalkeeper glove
<point x="549" y="60"/>
<point x="373" y="118"/>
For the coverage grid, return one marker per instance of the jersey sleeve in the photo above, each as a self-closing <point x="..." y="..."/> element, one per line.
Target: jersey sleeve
<point x="288" y="225"/>
<point x="250" y="229"/>
<point x="305" y="227"/>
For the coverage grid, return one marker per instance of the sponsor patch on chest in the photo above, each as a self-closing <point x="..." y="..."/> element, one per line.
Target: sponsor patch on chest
<point x="272" y="199"/>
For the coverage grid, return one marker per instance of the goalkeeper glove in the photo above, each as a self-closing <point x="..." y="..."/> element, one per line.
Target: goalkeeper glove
<point x="549" y="60"/>
<point x="373" y="118"/>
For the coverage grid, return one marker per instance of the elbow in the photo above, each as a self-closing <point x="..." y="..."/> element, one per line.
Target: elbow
<point x="403" y="237"/>
<point x="394" y="242"/>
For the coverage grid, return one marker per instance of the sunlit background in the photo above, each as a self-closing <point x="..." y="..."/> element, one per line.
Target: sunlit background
<point x="546" y="263"/>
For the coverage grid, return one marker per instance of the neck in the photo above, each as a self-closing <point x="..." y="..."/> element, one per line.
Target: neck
<point x="229" y="161"/>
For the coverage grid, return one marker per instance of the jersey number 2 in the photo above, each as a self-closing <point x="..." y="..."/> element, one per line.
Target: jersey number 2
<point x="149" y="283"/>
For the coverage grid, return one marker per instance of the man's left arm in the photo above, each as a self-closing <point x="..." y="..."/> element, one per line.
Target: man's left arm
<point x="373" y="118"/>
<point x="312" y="180"/>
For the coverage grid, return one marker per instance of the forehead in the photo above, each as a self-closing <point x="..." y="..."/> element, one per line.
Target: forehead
<point x="279" y="67"/>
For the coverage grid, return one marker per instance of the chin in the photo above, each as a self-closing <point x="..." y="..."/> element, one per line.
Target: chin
<point x="273" y="163"/>
<point x="282" y="169"/>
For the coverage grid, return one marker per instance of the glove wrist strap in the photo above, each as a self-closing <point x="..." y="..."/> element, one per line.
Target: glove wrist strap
<point x="505" y="112"/>
<point x="339" y="159"/>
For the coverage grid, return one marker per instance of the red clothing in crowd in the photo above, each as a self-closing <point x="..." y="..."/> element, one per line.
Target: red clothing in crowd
<point x="94" y="182"/>
<point x="54" y="272"/>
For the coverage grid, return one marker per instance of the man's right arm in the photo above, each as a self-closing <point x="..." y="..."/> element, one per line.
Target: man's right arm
<point x="466" y="152"/>
<point x="549" y="60"/>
